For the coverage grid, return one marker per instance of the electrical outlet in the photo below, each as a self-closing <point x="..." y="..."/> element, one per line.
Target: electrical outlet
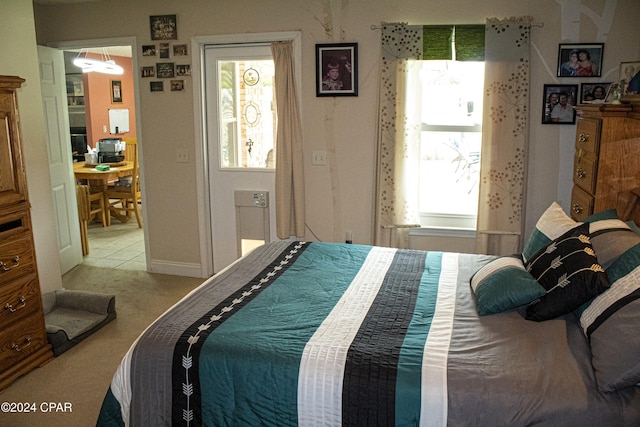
<point x="319" y="158"/>
<point x="182" y="155"/>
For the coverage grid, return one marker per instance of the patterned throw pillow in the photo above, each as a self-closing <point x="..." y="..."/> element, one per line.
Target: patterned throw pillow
<point x="504" y="284"/>
<point x="611" y="323"/>
<point x="569" y="271"/>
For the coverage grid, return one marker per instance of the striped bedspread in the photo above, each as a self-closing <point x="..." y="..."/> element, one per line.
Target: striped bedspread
<point x="319" y="334"/>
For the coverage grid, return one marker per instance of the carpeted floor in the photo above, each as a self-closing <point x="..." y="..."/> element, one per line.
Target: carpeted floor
<point x="76" y="381"/>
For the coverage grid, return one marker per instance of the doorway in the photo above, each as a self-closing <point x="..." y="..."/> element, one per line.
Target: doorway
<point x="121" y="245"/>
<point x="206" y="141"/>
<point x="240" y="128"/>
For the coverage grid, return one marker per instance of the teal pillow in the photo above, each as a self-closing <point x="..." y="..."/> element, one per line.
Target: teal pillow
<point x="504" y="284"/>
<point x="598" y="216"/>
<point x="553" y="223"/>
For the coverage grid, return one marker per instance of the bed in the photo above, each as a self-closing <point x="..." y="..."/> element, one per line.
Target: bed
<point x="312" y="333"/>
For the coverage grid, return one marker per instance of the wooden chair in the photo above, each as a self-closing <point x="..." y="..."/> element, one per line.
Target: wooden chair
<point x="89" y="204"/>
<point x="126" y="190"/>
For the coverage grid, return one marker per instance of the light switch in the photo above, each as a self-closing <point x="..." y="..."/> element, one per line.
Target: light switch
<point x="182" y="155"/>
<point x="319" y="158"/>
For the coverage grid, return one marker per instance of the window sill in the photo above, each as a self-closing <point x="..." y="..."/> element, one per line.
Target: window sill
<point x="468" y="233"/>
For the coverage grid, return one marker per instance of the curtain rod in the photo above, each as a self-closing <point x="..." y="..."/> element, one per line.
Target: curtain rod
<point x="377" y="27"/>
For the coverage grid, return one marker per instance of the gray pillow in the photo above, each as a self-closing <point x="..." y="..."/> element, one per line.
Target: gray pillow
<point x="611" y="322"/>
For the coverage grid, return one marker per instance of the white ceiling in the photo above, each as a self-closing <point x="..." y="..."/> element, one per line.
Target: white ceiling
<point x="124" y="51"/>
<point x="62" y="1"/>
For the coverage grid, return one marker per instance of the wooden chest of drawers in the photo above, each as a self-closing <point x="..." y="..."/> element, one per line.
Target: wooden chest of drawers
<point x="23" y="338"/>
<point x="607" y="158"/>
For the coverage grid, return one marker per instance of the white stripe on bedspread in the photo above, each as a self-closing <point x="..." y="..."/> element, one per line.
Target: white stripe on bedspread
<point x="433" y="410"/>
<point x="323" y="360"/>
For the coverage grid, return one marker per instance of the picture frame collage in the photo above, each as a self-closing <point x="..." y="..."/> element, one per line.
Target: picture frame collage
<point x="584" y="60"/>
<point x="164" y="30"/>
<point x="575" y="60"/>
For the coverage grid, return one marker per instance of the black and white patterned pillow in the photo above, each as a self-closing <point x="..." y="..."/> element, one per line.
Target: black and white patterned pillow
<point x="569" y="271"/>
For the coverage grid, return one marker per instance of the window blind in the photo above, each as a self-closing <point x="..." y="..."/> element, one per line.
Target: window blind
<point x="439" y="42"/>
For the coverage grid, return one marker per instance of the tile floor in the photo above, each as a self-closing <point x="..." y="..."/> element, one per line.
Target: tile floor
<point x="119" y="246"/>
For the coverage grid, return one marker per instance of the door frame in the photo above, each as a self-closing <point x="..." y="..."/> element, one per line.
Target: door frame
<point x="121" y="41"/>
<point x="198" y="44"/>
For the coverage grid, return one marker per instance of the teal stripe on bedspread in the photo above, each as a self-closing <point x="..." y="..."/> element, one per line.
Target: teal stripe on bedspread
<point x="408" y="384"/>
<point x="288" y="317"/>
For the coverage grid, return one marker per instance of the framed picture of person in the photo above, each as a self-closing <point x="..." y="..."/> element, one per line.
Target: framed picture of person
<point x="557" y="104"/>
<point x="630" y="80"/>
<point x="116" y="91"/>
<point x="337" y="69"/>
<point x="580" y="59"/>
<point x="594" y="93"/>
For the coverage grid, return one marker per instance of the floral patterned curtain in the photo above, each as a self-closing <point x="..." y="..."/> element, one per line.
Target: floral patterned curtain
<point x="398" y="137"/>
<point x="505" y="133"/>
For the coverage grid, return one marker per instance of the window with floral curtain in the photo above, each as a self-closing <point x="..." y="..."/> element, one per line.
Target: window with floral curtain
<point x="501" y="195"/>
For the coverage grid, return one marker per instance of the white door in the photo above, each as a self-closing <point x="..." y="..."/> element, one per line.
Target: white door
<point x="54" y="100"/>
<point x="241" y="126"/>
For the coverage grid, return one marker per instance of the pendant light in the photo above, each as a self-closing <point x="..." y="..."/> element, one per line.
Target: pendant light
<point x="105" y="65"/>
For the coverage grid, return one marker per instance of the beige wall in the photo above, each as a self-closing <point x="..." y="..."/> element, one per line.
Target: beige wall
<point x="339" y="195"/>
<point x="19" y="57"/>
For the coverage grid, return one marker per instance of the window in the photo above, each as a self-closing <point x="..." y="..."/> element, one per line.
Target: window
<point x="450" y="143"/>
<point x="247" y="116"/>
<point x="451" y="82"/>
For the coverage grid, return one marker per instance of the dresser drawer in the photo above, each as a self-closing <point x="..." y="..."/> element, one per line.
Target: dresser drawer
<point x="15" y="221"/>
<point x="19" y="299"/>
<point x="588" y="135"/>
<point x="20" y="340"/>
<point x="16" y="256"/>
<point x="585" y="168"/>
<point x="581" y="204"/>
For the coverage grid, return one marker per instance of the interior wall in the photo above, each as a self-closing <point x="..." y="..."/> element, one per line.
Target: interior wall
<point x="339" y="195"/>
<point x="98" y="101"/>
<point x="19" y="57"/>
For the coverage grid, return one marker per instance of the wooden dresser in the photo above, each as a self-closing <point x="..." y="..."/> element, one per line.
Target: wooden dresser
<point x="607" y="160"/>
<point x="23" y="338"/>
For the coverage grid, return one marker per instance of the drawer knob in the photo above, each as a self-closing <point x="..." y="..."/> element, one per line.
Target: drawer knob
<point x="19" y="347"/>
<point x="583" y="137"/>
<point x="576" y="208"/>
<point x="22" y="301"/>
<point x="7" y="267"/>
<point x="580" y="173"/>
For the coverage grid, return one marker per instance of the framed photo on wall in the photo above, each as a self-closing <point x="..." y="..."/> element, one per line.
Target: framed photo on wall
<point x="337" y="69"/>
<point x="116" y="91"/>
<point x="557" y="104"/>
<point x="580" y="59"/>
<point x="163" y="27"/>
<point x="165" y="70"/>
<point x="594" y="93"/>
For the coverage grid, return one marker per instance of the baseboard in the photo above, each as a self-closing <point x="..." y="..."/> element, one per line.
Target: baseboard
<point x="176" y="268"/>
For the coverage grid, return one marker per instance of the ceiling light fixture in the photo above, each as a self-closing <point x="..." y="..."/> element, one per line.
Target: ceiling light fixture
<point x="106" y="65"/>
